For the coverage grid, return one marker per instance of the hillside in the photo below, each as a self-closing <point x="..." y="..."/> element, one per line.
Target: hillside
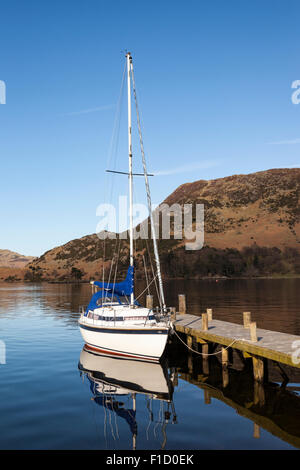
<point x="252" y="227"/>
<point x="12" y="274"/>
<point x="10" y="259"/>
<point x="240" y="210"/>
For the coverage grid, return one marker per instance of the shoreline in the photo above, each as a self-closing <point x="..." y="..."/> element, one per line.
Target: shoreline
<point x="204" y="278"/>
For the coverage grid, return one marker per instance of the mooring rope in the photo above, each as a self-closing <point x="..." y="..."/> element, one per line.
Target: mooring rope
<point x="204" y="354"/>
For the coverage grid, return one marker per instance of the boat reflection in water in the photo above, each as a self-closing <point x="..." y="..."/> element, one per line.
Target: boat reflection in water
<point x="115" y="381"/>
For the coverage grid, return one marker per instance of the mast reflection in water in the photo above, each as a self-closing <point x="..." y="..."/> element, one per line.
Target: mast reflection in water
<point x="115" y="385"/>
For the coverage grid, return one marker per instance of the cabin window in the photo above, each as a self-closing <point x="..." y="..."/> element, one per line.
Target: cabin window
<point x="107" y="301"/>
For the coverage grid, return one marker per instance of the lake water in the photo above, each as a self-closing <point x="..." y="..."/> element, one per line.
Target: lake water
<point x="54" y="395"/>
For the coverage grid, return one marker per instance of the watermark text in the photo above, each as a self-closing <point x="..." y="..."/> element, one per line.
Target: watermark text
<point x="2" y="92"/>
<point x="175" y="221"/>
<point x="2" y="352"/>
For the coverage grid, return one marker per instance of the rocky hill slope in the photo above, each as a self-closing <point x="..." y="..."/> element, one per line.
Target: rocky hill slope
<point x="252" y="227"/>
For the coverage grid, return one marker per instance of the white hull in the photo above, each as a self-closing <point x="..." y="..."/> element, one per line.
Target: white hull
<point x="145" y="343"/>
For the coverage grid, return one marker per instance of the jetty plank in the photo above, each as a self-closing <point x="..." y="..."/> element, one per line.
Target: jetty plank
<point x="270" y="344"/>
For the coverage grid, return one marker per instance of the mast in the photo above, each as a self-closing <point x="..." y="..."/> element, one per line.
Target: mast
<point x="129" y="61"/>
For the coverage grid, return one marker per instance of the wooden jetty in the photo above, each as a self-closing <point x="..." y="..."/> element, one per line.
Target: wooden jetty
<point x="205" y="334"/>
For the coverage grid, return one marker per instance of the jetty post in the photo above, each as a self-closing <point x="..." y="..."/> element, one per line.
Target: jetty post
<point x="253" y="334"/>
<point x="209" y="314"/>
<point x="247" y="319"/>
<point x="181" y="304"/>
<point x="149" y="301"/>
<point x="173" y="313"/>
<point x="204" y="321"/>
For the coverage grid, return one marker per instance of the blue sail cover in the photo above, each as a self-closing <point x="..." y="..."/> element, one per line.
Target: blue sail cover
<point x="124" y="288"/>
<point x="120" y="288"/>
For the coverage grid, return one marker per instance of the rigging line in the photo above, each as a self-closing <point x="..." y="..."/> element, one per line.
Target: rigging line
<point x="104" y="426"/>
<point x="116" y="268"/>
<point x="103" y="273"/>
<point x="117" y="427"/>
<point x="161" y="409"/>
<point x="115" y="153"/>
<point x="116" y="128"/>
<point x="148" y="196"/>
<point x="152" y="270"/>
<point x="208" y="354"/>
<point x="126" y="173"/>
<point x="110" y="412"/>
<point x="146" y="288"/>
<point x="146" y="275"/>
<point x="173" y="410"/>
<point x="150" y="418"/>
<point x="136" y="235"/>
<point x="143" y="229"/>
<point x="159" y="291"/>
<point x="163" y="430"/>
<point x="112" y="260"/>
<point x="153" y="274"/>
<point x="112" y="154"/>
<point x="157" y="422"/>
<point x="116" y="118"/>
<point x="144" y="236"/>
<point x="134" y="231"/>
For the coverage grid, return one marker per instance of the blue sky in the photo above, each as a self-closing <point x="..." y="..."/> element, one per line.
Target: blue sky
<point x="214" y="86"/>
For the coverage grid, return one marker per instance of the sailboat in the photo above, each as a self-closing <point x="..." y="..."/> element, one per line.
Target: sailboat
<point x="114" y="323"/>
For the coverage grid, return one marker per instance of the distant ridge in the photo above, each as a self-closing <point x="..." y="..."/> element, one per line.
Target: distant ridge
<point x="10" y="259"/>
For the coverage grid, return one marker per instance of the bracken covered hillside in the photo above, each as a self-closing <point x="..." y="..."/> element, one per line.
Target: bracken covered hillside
<point x="240" y="210"/>
<point x="252" y="227"/>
